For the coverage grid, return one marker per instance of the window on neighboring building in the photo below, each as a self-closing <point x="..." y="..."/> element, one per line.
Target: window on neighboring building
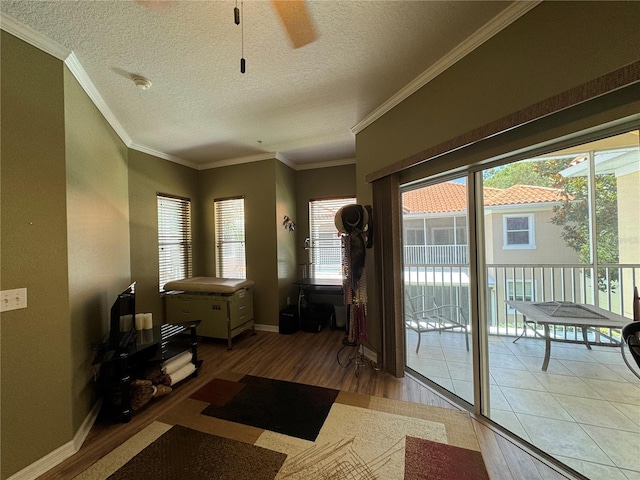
<point x="174" y="238"/>
<point x="519" y="290"/>
<point x="230" y="239"/>
<point x="414" y="232"/>
<point x="518" y="231"/>
<point x="442" y="236"/>
<point x="325" y="248"/>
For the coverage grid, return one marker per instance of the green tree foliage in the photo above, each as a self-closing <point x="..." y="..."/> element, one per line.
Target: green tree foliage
<point x="520" y="173"/>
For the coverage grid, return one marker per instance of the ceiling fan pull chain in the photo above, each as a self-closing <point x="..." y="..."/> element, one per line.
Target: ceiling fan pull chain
<point x="242" y="60"/>
<point x="236" y="14"/>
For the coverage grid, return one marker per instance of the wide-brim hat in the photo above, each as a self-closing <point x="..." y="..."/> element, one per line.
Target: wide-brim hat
<point x="352" y="217"/>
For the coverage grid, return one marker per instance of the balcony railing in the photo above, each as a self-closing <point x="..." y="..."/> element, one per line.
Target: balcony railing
<point x="435" y="254"/>
<point x="610" y="288"/>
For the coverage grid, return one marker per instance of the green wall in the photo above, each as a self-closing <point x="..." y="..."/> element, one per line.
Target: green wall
<point x="148" y="176"/>
<point x="257" y="183"/>
<point x="554" y="47"/>
<point x="65" y="237"/>
<point x="286" y="240"/>
<point x="97" y="233"/>
<point x="36" y="386"/>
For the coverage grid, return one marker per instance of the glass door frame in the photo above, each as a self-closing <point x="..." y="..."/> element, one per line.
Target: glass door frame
<point x="479" y="300"/>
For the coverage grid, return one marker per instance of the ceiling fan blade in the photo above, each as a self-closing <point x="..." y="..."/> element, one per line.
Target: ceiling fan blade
<point x="296" y="20"/>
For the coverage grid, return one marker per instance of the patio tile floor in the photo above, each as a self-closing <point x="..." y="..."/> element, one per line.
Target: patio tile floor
<point x="584" y="410"/>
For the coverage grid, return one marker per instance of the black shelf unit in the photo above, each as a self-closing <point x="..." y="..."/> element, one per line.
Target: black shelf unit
<point x="119" y="367"/>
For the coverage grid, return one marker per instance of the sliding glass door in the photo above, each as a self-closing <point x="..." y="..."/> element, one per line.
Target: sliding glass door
<point x="436" y="285"/>
<point x="565" y="229"/>
<point x="557" y="229"/>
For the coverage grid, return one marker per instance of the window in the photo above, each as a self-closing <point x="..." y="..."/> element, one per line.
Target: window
<point x="414" y="232"/>
<point x="230" y="241"/>
<point x="325" y="247"/>
<point x="442" y="236"/>
<point x="174" y="238"/>
<point x="518" y="231"/>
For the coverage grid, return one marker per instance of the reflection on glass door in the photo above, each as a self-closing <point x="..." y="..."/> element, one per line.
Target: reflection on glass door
<point x="436" y="285"/>
<point x="563" y="227"/>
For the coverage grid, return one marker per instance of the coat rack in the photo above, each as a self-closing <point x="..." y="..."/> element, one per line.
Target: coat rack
<point x="354" y="222"/>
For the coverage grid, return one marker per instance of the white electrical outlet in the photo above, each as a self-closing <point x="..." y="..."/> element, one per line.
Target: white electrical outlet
<point x="13" y="299"/>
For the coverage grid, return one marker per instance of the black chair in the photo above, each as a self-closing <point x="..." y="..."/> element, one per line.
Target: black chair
<point x="631" y="341"/>
<point x="631" y="336"/>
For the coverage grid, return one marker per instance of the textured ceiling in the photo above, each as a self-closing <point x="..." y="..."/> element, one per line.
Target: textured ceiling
<point x="301" y="104"/>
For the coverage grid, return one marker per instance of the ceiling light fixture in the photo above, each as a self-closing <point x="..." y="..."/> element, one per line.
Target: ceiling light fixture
<point x="141" y="82"/>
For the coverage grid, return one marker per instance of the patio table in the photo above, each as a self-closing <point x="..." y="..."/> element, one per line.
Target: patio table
<point x="566" y="314"/>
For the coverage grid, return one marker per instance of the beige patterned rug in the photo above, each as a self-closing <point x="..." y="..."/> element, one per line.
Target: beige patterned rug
<point x="359" y="437"/>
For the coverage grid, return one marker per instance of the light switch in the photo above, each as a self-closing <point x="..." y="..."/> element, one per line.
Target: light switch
<point x="13" y="299"/>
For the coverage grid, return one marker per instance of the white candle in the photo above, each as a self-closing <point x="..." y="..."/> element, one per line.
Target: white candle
<point x="139" y="321"/>
<point x="148" y="321"/>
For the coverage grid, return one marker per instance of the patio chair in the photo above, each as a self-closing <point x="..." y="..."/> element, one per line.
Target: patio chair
<point x="434" y="318"/>
<point x="631" y="341"/>
<point x="631" y="336"/>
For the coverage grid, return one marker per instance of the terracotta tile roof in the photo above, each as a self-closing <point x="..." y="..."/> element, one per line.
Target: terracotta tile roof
<point x="441" y="197"/>
<point x="518" y="194"/>
<point x="451" y="197"/>
<point x="490" y="193"/>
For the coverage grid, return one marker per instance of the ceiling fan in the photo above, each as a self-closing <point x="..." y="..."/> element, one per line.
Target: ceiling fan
<point x="296" y="20"/>
<point x="293" y="14"/>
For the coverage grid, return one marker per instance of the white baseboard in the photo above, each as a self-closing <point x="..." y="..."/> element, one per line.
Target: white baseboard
<point x="370" y="354"/>
<point x="85" y="428"/>
<point x="267" y="328"/>
<point x="61" y="453"/>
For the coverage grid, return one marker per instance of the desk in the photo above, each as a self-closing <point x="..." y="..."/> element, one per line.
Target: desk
<point x="567" y="314"/>
<point x="319" y="286"/>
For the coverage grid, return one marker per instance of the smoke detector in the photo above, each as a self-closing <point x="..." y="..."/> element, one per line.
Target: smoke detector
<point x="141" y="82"/>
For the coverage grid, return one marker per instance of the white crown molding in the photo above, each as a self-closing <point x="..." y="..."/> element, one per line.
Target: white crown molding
<point x="44" y="43"/>
<point x="237" y="161"/>
<point x="78" y="71"/>
<point x="328" y="163"/>
<point x="480" y="36"/>
<point x="33" y="37"/>
<point x="286" y="160"/>
<point x="164" y="156"/>
<point x="40" y="41"/>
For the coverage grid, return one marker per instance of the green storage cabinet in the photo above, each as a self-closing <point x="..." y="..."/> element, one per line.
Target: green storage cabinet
<point x="222" y="315"/>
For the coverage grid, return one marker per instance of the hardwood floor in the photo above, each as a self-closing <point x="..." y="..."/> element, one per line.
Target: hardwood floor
<point x="311" y="359"/>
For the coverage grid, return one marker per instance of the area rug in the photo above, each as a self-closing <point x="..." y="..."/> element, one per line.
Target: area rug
<point x="289" y="408"/>
<point x="359" y="437"/>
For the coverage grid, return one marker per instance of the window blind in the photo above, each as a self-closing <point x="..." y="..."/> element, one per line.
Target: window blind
<point x="325" y="254"/>
<point x="230" y="238"/>
<point x="174" y="239"/>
